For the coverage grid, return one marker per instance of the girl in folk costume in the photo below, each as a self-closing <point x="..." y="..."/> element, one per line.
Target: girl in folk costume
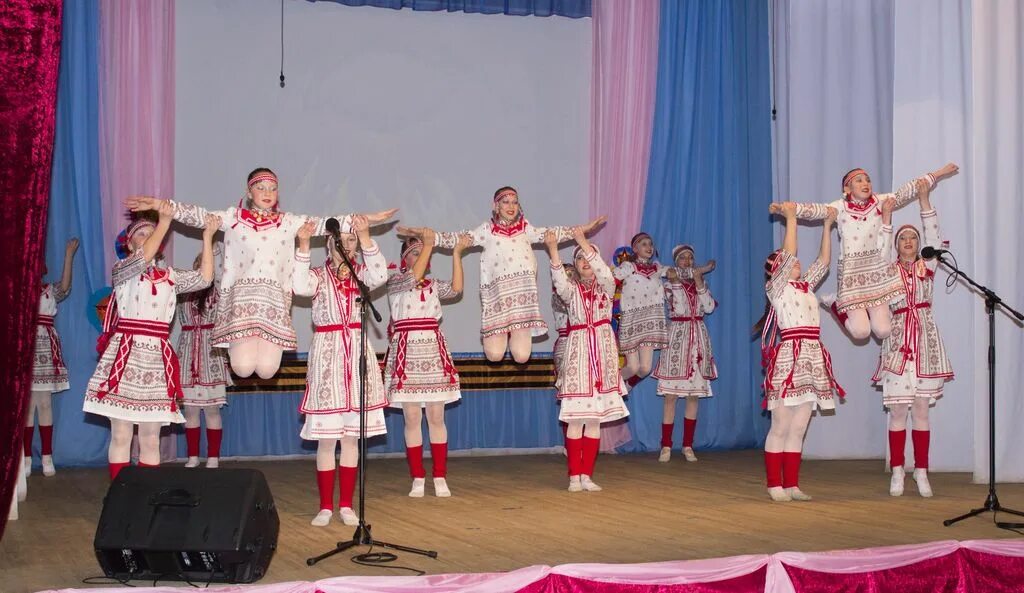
<point x="254" y="299"/>
<point x="137" y="380"/>
<point x="204" y="370"/>
<point x="687" y="366"/>
<point x="420" y="372"/>
<point x="590" y="387"/>
<point x="642" y="322"/>
<point x="867" y="283"/>
<point x="508" y="275"/>
<point x="49" y="373"/>
<point x="913" y="365"/>
<point x="331" y="403"/>
<point x="798" y="370"/>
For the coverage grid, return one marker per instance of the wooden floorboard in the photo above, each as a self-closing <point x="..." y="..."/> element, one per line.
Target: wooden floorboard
<point x="510" y="512"/>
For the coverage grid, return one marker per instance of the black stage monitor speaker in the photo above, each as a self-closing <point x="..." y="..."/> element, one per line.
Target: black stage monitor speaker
<point x="205" y="525"/>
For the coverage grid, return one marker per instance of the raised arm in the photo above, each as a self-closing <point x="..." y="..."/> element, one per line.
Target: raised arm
<point x="804" y="211"/>
<point x="819" y="267"/>
<point x="65" y="277"/>
<point x="885" y="244"/>
<point x="419" y="268"/>
<point x="913" y="188"/>
<point x="788" y="211"/>
<point x="304" y="282"/>
<point x="187" y="214"/>
<point x="152" y="244"/>
<point x="447" y="239"/>
<point x="563" y="287"/>
<point x="211" y="228"/>
<point x="374" y="272"/>
<point x="457" y="275"/>
<point x="564" y="233"/>
<point x="602" y="272"/>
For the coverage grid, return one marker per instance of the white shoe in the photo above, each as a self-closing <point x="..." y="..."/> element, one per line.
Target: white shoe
<point x="322" y="519"/>
<point x="418" y="484"/>
<point x="48" y="469"/>
<point x="441" y="488"/>
<point x="588" y="485"/>
<point x="348" y="516"/>
<point x="28" y="466"/>
<point x="192" y="462"/>
<point x="574" y="484"/>
<point x="896" y="481"/>
<point x="796" y="494"/>
<point x="689" y="454"/>
<point x="665" y="455"/>
<point x="779" y="494"/>
<point x="213" y="463"/>
<point x="924" y="488"/>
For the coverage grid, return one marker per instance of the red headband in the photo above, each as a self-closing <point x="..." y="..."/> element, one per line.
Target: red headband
<point x="853" y="174"/>
<point x="262" y="177"/>
<point x="636" y="238"/>
<point x="136" y="226"/>
<point x="410" y="245"/>
<point x="679" y="249"/>
<point x="776" y="263"/>
<point x="507" y="192"/>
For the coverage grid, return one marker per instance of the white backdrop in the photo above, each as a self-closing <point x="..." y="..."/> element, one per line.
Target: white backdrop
<point x="955" y="92"/>
<point x="834" y="101"/>
<point x="429" y="112"/>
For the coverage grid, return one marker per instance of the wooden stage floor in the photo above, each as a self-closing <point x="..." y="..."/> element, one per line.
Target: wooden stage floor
<point x="510" y="512"/>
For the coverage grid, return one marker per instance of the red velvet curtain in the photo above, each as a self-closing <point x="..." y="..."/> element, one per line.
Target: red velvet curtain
<point x="29" y="59"/>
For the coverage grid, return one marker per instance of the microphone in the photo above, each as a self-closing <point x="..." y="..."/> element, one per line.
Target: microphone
<point x="930" y="252"/>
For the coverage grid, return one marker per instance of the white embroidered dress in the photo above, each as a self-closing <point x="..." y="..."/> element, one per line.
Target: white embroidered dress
<point x="642" y="306"/>
<point x="137" y="378"/>
<point x="508" y="274"/>
<point x="590" y="387"/>
<point x="204" y="369"/>
<point x="913" y="361"/>
<point x="254" y="298"/>
<point x="799" y="368"/>
<point x="49" y="371"/>
<point x="865" y="277"/>
<point x="419" y="366"/>
<point x="687" y="366"/>
<point x="331" y="402"/>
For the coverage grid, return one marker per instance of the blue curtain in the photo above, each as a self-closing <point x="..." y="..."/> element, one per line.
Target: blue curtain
<point x="74" y="212"/>
<point x="709" y="184"/>
<point x="568" y="8"/>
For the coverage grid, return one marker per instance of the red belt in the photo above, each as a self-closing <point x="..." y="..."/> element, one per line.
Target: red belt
<point x="400" y="331"/>
<point x="797" y="335"/>
<point x="129" y="328"/>
<point x="197" y="343"/>
<point x="905" y="310"/>
<point x="336" y="327"/>
<point x="593" y="354"/>
<point x="696" y="318"/>
<point x="55" y="350"/>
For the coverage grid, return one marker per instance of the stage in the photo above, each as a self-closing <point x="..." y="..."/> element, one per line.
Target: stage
<point x="511" y="512"/>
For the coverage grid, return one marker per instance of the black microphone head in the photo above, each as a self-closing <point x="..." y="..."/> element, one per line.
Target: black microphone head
<point x="333" y="226"/>
<point x="929" y="252"/>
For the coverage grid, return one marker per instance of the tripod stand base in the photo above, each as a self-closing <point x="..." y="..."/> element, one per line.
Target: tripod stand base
<point x="991" y="504"/>
<point x="362" y="537"/>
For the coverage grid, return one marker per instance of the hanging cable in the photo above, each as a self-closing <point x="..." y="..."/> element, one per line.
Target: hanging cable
<point x="282" y="43"/>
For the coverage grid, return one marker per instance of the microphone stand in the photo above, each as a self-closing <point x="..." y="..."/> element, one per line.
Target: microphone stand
<point x="992" y="301"/>
<point x="362" y="535"/>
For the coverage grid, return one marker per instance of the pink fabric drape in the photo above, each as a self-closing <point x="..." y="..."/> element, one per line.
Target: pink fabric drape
<point x="622" y="93"/>
<point x="136" y="69"/>
<point x="955" y="567"/>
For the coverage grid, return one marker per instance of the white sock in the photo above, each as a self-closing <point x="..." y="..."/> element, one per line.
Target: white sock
<point x="779" y="494"/>
<point x="665" y="455"/>
<point x="896" y="481"/>
<point x="48" y="469"/>
<point x="689" y="454"/>
<point x="192" y="462"/>
<point x="574" y="484"/>
<point x="924" y="488"/>
<point x="796" y="494"/>
<point x="587" y="484"/>
<point x="213" y="462"/>
<point x="441" y="488"/>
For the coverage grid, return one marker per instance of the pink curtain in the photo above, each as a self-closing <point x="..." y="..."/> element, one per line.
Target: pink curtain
<point x="950" y="566"/>
<point x="136" y="106"/>
<point x="622" y="110"/>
